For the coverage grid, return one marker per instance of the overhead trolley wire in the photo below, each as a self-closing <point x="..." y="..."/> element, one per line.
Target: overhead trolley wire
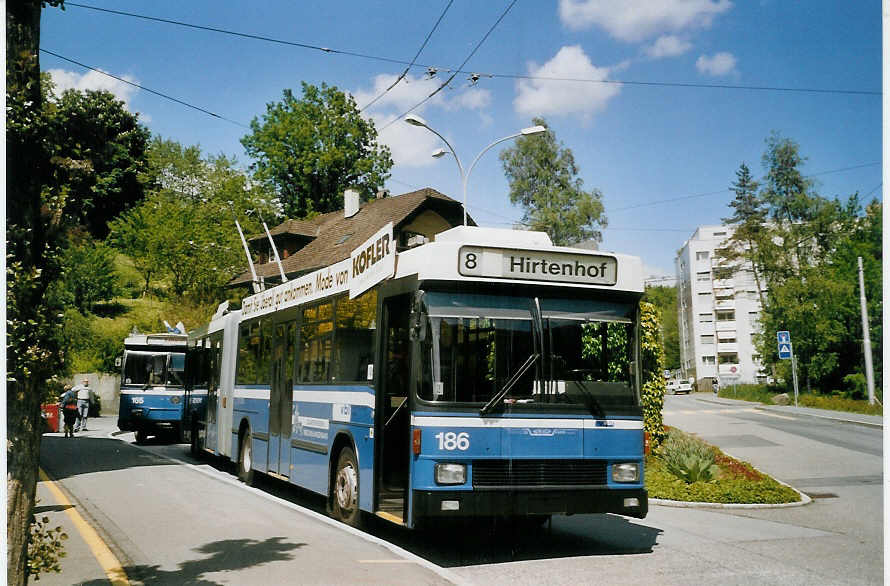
<point x="460" y="67"/>
<point x="408" y="67"/>
<point x="454" y="72"/>
<point x="142" y="87"/>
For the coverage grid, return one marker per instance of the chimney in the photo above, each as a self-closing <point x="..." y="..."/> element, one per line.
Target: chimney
<point x="350" y="203"/>
<point x="381" y="193"/>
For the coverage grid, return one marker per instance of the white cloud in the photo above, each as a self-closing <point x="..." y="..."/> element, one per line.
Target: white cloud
<point x="93" y="80"/>
<point x="668" y="46"/>
<point x="718" y="64"/>
<point x="636" y="20"/>
<point x="540" y="97"/>
<point x="412" y="146"/>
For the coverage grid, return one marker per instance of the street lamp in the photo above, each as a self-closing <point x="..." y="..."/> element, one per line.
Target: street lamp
<point x="464" y="177"/>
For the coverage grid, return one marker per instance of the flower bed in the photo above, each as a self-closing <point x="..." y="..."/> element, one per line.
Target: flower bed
<point x="678" y="460"/>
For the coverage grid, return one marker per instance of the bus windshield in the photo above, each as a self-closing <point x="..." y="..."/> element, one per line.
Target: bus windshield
<point x="154" y="368"/>
<point x="499" y="350"/>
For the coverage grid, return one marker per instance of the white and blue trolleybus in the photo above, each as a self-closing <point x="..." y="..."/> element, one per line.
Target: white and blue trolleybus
<point x="485" y="374"/>
<point x="152" y="391"/>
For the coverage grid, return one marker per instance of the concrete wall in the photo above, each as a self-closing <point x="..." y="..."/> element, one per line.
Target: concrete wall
<point x="107" y="386"/>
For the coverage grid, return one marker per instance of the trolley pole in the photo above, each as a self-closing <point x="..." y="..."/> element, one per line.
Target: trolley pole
<point x="866" y="338"/>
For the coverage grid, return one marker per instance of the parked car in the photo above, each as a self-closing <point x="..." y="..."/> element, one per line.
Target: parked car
<point x="676" y="386"/>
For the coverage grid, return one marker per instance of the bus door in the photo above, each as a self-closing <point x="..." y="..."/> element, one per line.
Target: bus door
<point x="214" y="360"/>
<point x="395" y="422"/>
<point x="281" y="397"/>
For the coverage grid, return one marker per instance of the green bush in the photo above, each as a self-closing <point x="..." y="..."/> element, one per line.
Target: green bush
<point x="45" y="547"/>
<point x="688" y="458"/>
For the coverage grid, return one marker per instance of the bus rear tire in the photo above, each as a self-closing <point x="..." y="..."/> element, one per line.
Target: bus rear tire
<point x="345" y="489"/>
<point x="245" y="460"/>
<point x="141" y="436"/>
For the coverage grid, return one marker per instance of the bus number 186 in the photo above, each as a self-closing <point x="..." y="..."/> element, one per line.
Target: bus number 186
<point x="453" y="441"/>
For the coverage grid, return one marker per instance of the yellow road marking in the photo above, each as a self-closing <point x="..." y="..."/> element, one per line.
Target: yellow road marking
<point x="110" y="564"/>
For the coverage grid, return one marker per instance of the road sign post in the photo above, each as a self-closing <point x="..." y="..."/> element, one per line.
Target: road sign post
<point x="786" y="351"/>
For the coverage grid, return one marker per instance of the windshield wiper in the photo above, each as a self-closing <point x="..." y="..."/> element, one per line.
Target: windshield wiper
<point x="592" y="404"/>
<point x="510" y="384"/>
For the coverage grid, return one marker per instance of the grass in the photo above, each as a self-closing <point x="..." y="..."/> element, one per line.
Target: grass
<point x="832" y="402"/>
<point x="735" y="481"/>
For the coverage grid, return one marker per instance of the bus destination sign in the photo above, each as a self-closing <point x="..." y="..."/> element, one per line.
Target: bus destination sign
<point x="557" y="267"/>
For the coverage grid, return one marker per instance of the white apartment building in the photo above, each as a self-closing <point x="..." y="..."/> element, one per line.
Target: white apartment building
<point x="718" y="308"/>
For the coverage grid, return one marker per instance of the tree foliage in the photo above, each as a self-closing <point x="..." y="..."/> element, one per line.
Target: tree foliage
<point x="651" y="373"/>
<point x="88" y="274"/>
<point x="33" y="233"/>
<point x="184" y="230"/>
<point x="309" y="150"/>
<point x="665" y="301"/>
<point x="97" y="157"/>
<point x="544" y="180"/>
<point x="803" y="248"/>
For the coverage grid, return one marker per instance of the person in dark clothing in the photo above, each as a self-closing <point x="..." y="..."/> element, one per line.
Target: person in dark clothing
<point x="68" y="404"/>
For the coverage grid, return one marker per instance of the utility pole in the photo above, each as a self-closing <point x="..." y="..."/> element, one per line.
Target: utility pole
<point x="866" y="338"/>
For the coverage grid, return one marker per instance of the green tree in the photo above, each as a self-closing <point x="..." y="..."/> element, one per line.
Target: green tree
<point x="543" y="180"/>
<point x="664" y="299"/>
<point x="184" y="231"/>
<point x="309" y="150"/>
<point x="33" y="234"/>
<point x="88" y="274"/>
<point x="651" y="373"/>
<point x="98" y="155"/>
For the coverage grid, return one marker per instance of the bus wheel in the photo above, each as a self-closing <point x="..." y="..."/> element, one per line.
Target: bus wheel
<point x="346" y="489"/>
<point x="245" y="460"/>
<point x="141" y="436"/>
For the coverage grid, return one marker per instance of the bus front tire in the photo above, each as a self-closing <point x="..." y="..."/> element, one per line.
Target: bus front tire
<point x="345" y="497"/>
<point x="245" y="460"/>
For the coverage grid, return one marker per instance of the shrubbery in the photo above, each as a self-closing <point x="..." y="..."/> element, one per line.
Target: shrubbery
<point x="685" y="468"/>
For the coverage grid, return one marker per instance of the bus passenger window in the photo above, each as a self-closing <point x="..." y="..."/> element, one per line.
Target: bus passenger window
<point x="354" y="336"/>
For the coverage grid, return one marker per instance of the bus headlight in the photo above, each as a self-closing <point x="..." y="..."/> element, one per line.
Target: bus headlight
<point x="451" y="473"/>
<point x="626" y="472"/>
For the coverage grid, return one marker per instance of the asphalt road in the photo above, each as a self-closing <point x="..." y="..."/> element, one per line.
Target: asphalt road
<point x="191" y="522"/>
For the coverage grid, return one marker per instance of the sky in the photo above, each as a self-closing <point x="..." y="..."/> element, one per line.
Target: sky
<point x="654" y="98"/>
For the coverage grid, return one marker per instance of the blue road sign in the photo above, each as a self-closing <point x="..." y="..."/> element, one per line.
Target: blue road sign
<point x="785" y="351"/>
<point x="783" y="337"/>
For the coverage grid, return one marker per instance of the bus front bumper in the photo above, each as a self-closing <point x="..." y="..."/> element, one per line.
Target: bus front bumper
<point x="496" y="503"/>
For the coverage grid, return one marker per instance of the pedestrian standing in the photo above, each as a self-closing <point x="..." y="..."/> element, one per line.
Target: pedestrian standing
<point x="83" y="404"/>
<point x="68" y="404"/>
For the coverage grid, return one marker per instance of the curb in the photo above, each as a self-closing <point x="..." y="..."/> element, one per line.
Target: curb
<point x="804" y="498"/>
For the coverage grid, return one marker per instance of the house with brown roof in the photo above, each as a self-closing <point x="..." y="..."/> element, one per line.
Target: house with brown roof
<point x="308" y="245"/>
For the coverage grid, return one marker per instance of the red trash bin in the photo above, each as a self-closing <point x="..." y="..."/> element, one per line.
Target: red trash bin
<point x="51" y="417"/>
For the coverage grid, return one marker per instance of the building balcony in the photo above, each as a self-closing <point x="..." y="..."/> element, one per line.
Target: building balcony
<point x="724" y="283"/>
<point x="727" y="346"/>
<point x="728" y="369"/>
<point x="725" y="326"/>
<point x="724" y="303"/>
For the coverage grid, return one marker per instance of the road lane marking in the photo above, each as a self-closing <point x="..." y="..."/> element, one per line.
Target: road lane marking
<point x="107" y="560"/>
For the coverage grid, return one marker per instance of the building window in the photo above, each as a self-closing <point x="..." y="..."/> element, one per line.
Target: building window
<point x="703" y="293"/>
<point x="752" y="318"/>
<point x="706" y="318"/>
<point x="719" y="233"/>
<point x="725" y="315"/>
<point x="707" y="339"/>
<point x="703" y="277"/>
<point x="755" y="358"/>
<point x="709" y="360"/>
<point x="728" y="358"/>
<point x="703" y="255"/>
<point x="727" y="340"/>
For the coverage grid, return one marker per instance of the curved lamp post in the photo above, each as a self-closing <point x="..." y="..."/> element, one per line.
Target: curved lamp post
<point x="464" y="177"/>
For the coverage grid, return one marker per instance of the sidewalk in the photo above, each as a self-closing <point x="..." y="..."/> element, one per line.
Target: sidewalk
<point x="80" y="564"/>
<point x="844" y="416"/>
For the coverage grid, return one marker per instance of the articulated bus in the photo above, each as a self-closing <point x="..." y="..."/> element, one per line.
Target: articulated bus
<point x="485" y="374"/>
<point x="152" y="393"/>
